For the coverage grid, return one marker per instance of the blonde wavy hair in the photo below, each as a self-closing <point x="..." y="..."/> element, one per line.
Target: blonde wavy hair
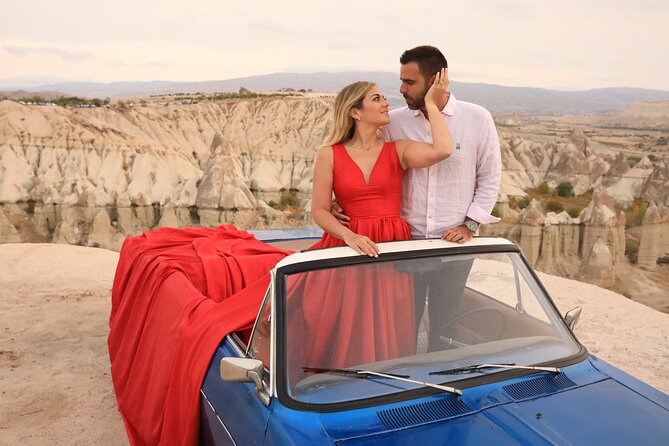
<point x="343" y="126"/>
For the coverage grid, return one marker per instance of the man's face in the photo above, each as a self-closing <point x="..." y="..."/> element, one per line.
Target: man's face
<point x="414" y="87"/>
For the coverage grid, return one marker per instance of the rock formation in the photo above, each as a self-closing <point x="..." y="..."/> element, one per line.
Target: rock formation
<point x="92" y="176"/>
<point x="654" y="238"/>
<point x="597" y="266"/>
<point x="601" y="221"/>
<point x="531" y="221"/>
<point x="560" y="244"/>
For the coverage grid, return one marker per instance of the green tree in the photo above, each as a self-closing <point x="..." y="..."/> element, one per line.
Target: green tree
<point x="564" y="189"/>
<point x="289" y="199"/>
<point x="554" y="206"/>
<point x="632" y="250"/>
<point x="543" y="188"/>
<point x="634" y="214"/>
<point x="522" y="202"/>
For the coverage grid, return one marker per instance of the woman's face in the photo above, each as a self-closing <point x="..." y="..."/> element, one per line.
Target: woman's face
<point x="374" y="109"/>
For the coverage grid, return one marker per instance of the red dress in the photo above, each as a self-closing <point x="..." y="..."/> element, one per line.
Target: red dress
<point x="367" y="314"/>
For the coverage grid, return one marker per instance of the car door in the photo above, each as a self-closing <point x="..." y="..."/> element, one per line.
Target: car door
<point x="232" y="412"/>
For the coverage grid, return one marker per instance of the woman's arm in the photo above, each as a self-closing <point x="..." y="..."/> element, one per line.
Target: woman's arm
<point x="419" y="154"/>
<point x="321" y="202"/>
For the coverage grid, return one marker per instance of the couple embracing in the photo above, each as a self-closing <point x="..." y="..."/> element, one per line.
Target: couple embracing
<point x="431" y="169"/>
<point x="428" y="170"/>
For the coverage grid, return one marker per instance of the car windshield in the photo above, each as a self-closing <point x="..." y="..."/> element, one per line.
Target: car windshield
<point x="414" y="318"/>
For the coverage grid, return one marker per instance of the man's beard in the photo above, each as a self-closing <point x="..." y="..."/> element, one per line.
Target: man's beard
<point x="418" y="101"/>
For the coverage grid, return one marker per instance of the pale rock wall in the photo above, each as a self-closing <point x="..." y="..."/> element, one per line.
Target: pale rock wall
<point x="531" y="221"/>
<point x="602" y="221"/>
<point x="657" y="186"/>
<point x="597" y="266"/>
<point x="654" y="237"/>
<point x="147" y="155"/>
<point x="560" y="244"/>
<point x="223" y="162"/>
<point x="111" y="173"/>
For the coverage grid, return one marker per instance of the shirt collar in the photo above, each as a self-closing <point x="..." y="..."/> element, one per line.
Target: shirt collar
<point x="448" y="110"/>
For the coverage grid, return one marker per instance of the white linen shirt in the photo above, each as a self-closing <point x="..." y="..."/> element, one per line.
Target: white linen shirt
<point x="465" y="184"/>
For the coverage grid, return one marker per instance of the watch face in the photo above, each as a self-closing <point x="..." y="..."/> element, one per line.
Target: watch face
<point x="471" y="225"/>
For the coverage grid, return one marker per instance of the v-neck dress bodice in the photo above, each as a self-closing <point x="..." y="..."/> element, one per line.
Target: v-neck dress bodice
<point x="373" y="207"/>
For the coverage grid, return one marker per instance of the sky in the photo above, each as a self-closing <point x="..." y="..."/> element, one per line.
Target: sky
<point x="562" y="44"/>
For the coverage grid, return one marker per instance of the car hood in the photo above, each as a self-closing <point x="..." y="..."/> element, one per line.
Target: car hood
<point x="602" y="412"/>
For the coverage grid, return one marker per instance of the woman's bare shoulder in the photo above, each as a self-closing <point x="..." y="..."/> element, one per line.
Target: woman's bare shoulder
<point x="324" y="153"/>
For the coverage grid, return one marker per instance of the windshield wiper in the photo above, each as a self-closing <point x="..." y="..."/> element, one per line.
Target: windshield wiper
<point x="368" y="373"/>
<point x="352" y="372"/>
<point x="512" y="365"/>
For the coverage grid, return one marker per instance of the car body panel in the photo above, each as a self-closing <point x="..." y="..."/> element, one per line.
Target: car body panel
<point x="245" y="416"/>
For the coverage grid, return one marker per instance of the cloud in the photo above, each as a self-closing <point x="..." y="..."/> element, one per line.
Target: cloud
<point x="45" y="51"/>
<point x="263" y="26"/>
<point x="117" y="62"/>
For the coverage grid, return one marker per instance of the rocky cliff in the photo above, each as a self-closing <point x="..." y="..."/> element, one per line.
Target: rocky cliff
<point x="92" y="176"/>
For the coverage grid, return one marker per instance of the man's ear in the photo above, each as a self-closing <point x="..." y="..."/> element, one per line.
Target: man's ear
<point x="430" y="81"/>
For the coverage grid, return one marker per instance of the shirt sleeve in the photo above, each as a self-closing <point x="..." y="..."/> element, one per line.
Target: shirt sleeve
<point x="488" y="175"/>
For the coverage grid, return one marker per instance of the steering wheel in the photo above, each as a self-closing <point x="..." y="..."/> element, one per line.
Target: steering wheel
<point x="493" y="310"/>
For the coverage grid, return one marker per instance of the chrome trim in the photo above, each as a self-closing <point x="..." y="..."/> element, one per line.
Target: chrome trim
<point x="258" y="316"/>
<point x="234" y="344"/>
<point x="272" y="349"/>
<point x="218" y="418"/>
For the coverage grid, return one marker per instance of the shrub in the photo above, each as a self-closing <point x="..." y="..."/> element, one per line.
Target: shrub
<point x="634" y="214"/>
<point x="543" y="188"/>
<point x="495" y="212"/>
<point x="554" y="206"/>
<point x="289" y="199"/>
<point x="523" y="202"/>
<point x="632" y="250"/>
<point x="632" y="160"/>
<point x="564" y="189"/>
<point x="574" y="212"/>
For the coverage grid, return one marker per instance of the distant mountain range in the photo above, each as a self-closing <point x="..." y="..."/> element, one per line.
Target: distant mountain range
<point x="500" y="100"/>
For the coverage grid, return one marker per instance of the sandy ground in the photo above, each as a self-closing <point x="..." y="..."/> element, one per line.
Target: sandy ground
<point x="54" y="369"/>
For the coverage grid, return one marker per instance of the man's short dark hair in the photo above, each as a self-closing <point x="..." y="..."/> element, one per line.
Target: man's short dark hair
<point x="429" y="59"/>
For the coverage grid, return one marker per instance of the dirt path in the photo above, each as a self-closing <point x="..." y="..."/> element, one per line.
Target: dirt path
<point x="54" y="367"/>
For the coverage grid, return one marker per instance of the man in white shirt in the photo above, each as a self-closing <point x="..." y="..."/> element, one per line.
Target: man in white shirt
<point x="441" y="200"/>
<point x="453" y="197"/>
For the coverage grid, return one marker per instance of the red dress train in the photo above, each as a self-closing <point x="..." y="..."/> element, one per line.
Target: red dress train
<point x="177" y="293"/>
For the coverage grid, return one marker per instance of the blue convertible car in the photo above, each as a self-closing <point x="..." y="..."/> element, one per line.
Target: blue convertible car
<point x="430" y="343"/>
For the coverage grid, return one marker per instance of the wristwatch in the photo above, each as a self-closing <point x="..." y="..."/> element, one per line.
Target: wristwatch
<point x="471" y="225"/>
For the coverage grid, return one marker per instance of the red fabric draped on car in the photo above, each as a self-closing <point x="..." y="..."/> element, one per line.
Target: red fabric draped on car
<point x="177" y="293"/>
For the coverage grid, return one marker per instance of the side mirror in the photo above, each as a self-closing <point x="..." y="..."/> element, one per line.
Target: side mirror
<point x="245" y="370"/>
<point x="572" y="316"/>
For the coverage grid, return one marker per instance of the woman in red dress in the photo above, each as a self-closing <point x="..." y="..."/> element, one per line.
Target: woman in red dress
<point x="367" y="316"/>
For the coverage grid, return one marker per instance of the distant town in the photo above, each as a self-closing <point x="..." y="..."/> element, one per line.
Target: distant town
<point x="161" y="100"/>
